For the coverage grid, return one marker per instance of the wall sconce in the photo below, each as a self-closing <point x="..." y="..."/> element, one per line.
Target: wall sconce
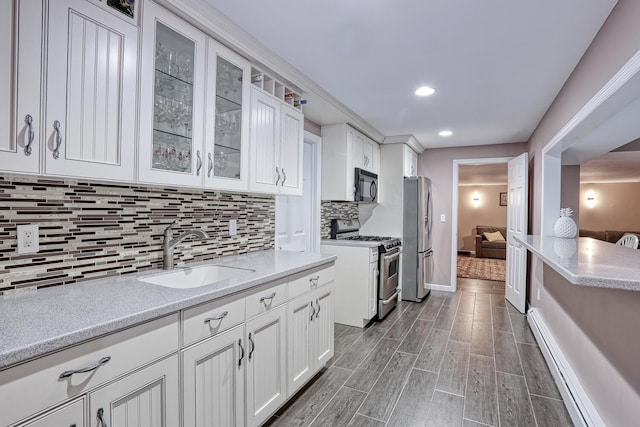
<point x="476" y="199"/>
<point x="591" y="199"/>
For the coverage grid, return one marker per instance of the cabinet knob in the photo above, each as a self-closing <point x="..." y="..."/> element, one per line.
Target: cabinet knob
<point x="318" y="311"/>
<point x="313" y="312"/>
<point x="264" y="300"/>
<point x="68" y="374"/>
<point x="253" y="346"/>
<point x="100" y="413"/>
<point x="241" y="352"/>
<point x="278" y="178"/>
<point x="284" y="177"/>
<point x="210" y="168"/>
<point x="199" y="163"/>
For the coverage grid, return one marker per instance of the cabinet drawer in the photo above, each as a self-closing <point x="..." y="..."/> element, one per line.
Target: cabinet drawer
<point x="127" y="350"/>
<point x="211" y="318"/>
<point x="266" y="299"/>
<point x="71" y="414"/>
<point x="298" y="285"/>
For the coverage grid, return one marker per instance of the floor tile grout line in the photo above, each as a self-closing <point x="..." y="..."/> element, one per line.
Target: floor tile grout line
<point x="404" y="385"/>
<point x="526" y="383"/>
<point x="327" y="404"/>
<point x="495" y="362"/>
<point x="477" y="422"/>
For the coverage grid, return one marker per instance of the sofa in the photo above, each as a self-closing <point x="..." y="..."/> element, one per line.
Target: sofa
<point x="611" y="236"/>
<point x="487" y="249"/>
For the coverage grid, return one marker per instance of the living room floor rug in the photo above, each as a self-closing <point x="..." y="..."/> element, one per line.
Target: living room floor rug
<point x="481" y="268"/>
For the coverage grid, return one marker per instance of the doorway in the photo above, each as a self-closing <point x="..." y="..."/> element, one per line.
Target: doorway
<point x="468" y="241"/>
<point x="298" y="217"/>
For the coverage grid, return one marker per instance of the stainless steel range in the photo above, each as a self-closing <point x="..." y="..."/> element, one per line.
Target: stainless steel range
<point x="388" y="261"/>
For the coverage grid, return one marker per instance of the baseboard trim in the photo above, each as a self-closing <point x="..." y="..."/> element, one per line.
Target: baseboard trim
<point x="578" y="404"/>
<point x="445" y="288"/>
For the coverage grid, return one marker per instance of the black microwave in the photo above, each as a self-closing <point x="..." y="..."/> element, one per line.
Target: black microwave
<point x="366" y="186"/>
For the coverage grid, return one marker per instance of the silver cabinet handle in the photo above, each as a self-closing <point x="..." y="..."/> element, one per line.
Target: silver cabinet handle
<point x="218" y="317"/>
<point x="56" y="128"/>
<point x="313" y="313"/>
<point x="253" y="346"/>
<point x="278" y="178"/>
<point x="241" y="352"/>
<point x="68" y="374"/>
<point x="29" y="121"/>
<point x="314" y="281"/>
<point x="317" y="312"/>
<point x="270" y="297"/>
<point x="284" y="176"/>
<point x="199" y="163"/>
<point x="99" y="415"/>
<point x="210" y="168"/>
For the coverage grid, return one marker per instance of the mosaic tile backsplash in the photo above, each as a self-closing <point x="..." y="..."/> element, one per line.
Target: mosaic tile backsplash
<point x="90" y="230"/>
<point x="330" y="210"/>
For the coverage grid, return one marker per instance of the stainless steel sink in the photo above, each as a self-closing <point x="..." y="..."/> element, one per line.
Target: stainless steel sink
<point x="185" y="278"/>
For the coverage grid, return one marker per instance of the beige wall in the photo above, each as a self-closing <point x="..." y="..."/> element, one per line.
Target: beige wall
<point x="616" y="206"/>
<point x="597" y="363"/>
<point x="488" y="212"/>
<point x="312" y="127"/>
<point x="437" y="164"/>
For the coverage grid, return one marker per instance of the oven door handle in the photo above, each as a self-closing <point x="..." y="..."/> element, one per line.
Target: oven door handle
<point x="391" y="298"/>
<point x="387" y="258"/>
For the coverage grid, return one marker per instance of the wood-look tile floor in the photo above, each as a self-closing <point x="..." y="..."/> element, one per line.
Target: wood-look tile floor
<point x="464" y="359"/>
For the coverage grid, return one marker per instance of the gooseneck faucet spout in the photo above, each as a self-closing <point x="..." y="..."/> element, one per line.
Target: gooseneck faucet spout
<point x="170" y="243"/>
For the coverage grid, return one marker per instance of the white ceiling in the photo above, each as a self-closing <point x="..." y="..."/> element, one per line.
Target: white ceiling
<point x="496" y="65"/>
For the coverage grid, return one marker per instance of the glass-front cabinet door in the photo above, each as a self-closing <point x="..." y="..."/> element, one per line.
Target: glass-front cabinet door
<point x="172" y="103"/>
<point x="227" y="126"/>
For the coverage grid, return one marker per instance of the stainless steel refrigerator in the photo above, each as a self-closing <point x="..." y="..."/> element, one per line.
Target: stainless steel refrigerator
<point x="417" y="255"/>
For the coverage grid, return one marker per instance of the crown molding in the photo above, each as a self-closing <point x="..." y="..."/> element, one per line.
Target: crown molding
<point x="409" y="140"/>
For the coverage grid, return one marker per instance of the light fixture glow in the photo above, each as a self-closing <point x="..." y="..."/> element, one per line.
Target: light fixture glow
<point x="476" y="199"/>
<point x="425" y="91"/>
<point x="445" y="133"/>
<point x="591" y="199"/>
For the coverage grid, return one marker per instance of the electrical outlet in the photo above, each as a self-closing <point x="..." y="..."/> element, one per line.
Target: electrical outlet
<point x="538" y="296"/>
<point x="233" y="227"/>
<point x="443" y="218"/>
<point x="28" y="239"/>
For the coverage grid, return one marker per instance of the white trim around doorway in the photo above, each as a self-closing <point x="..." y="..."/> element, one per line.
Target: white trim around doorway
<point x="454" y="208"/>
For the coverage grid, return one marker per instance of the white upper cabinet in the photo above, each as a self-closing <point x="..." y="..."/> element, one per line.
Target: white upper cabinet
<point x="344" y="149"/>
<point x="91" y="92"/>
<point x="172" y="100"/>
<point x="227" y="124"/>
<point x="410" y="161"/>
<point x="276" y="145"/>
<point x="21" y="30"/>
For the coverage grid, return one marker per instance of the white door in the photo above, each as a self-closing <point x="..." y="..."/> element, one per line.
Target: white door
<point x="300" y="368"/>
<point x="172" y="95"/>
<point x="21" y="32"/>
<point x="71" y="414"/>
<point x="265" y="142"/>
<point x="322" y="326"/>
<point x="146" y="398"/>
<point x="517" y="213"/>
<point x="213" y="375"/>
<point x="91" y="92"/>
<point x="266" y="365"/>
<point x="295" y="215"/>
<point x="291" y="143"/>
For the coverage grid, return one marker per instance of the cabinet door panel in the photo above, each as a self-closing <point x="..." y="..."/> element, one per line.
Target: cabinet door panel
<point x="323" y="327"/>
<point x="265" y="141"/>
<point x="266" y="365"/>
<point x="91" y="91"/>
<point x="299" y="358"/>
<point x="146" y="398"/>
<point x="213" y="373"/>
<point x="21" y="32"/>
<point x="71" y="414"/>
<point x="291" y="154"/>
<point x="356" y="141"/>
<point x="227" y="124"/>
<point x="172" y="100"/>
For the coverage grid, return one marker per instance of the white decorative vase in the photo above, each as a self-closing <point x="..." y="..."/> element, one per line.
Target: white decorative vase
<point x="565" y="227"/>
<point x="565" y="249"/>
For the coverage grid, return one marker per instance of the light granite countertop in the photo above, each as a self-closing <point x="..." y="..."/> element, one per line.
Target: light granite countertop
<point x="38" y="322"/>
<point x="588" y="262"/>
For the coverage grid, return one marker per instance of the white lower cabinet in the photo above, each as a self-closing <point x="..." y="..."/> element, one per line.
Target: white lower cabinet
<point x="146" y="398"/>
<point x="266" y="365"/>
<point x="322" y="327"/>
<point x="213" y="378"/>
<point x="69" y="415"/>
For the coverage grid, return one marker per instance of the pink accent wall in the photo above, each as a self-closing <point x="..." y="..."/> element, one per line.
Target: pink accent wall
<point x="488" y="212"/>
<point x="437" y="164"/>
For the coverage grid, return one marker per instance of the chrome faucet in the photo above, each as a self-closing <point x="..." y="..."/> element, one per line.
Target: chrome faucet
<point x="170" y="243"/>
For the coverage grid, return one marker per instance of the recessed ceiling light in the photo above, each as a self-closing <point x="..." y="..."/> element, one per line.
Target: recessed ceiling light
<point x="425" y="91"/>
<point x="445" y="133"/>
